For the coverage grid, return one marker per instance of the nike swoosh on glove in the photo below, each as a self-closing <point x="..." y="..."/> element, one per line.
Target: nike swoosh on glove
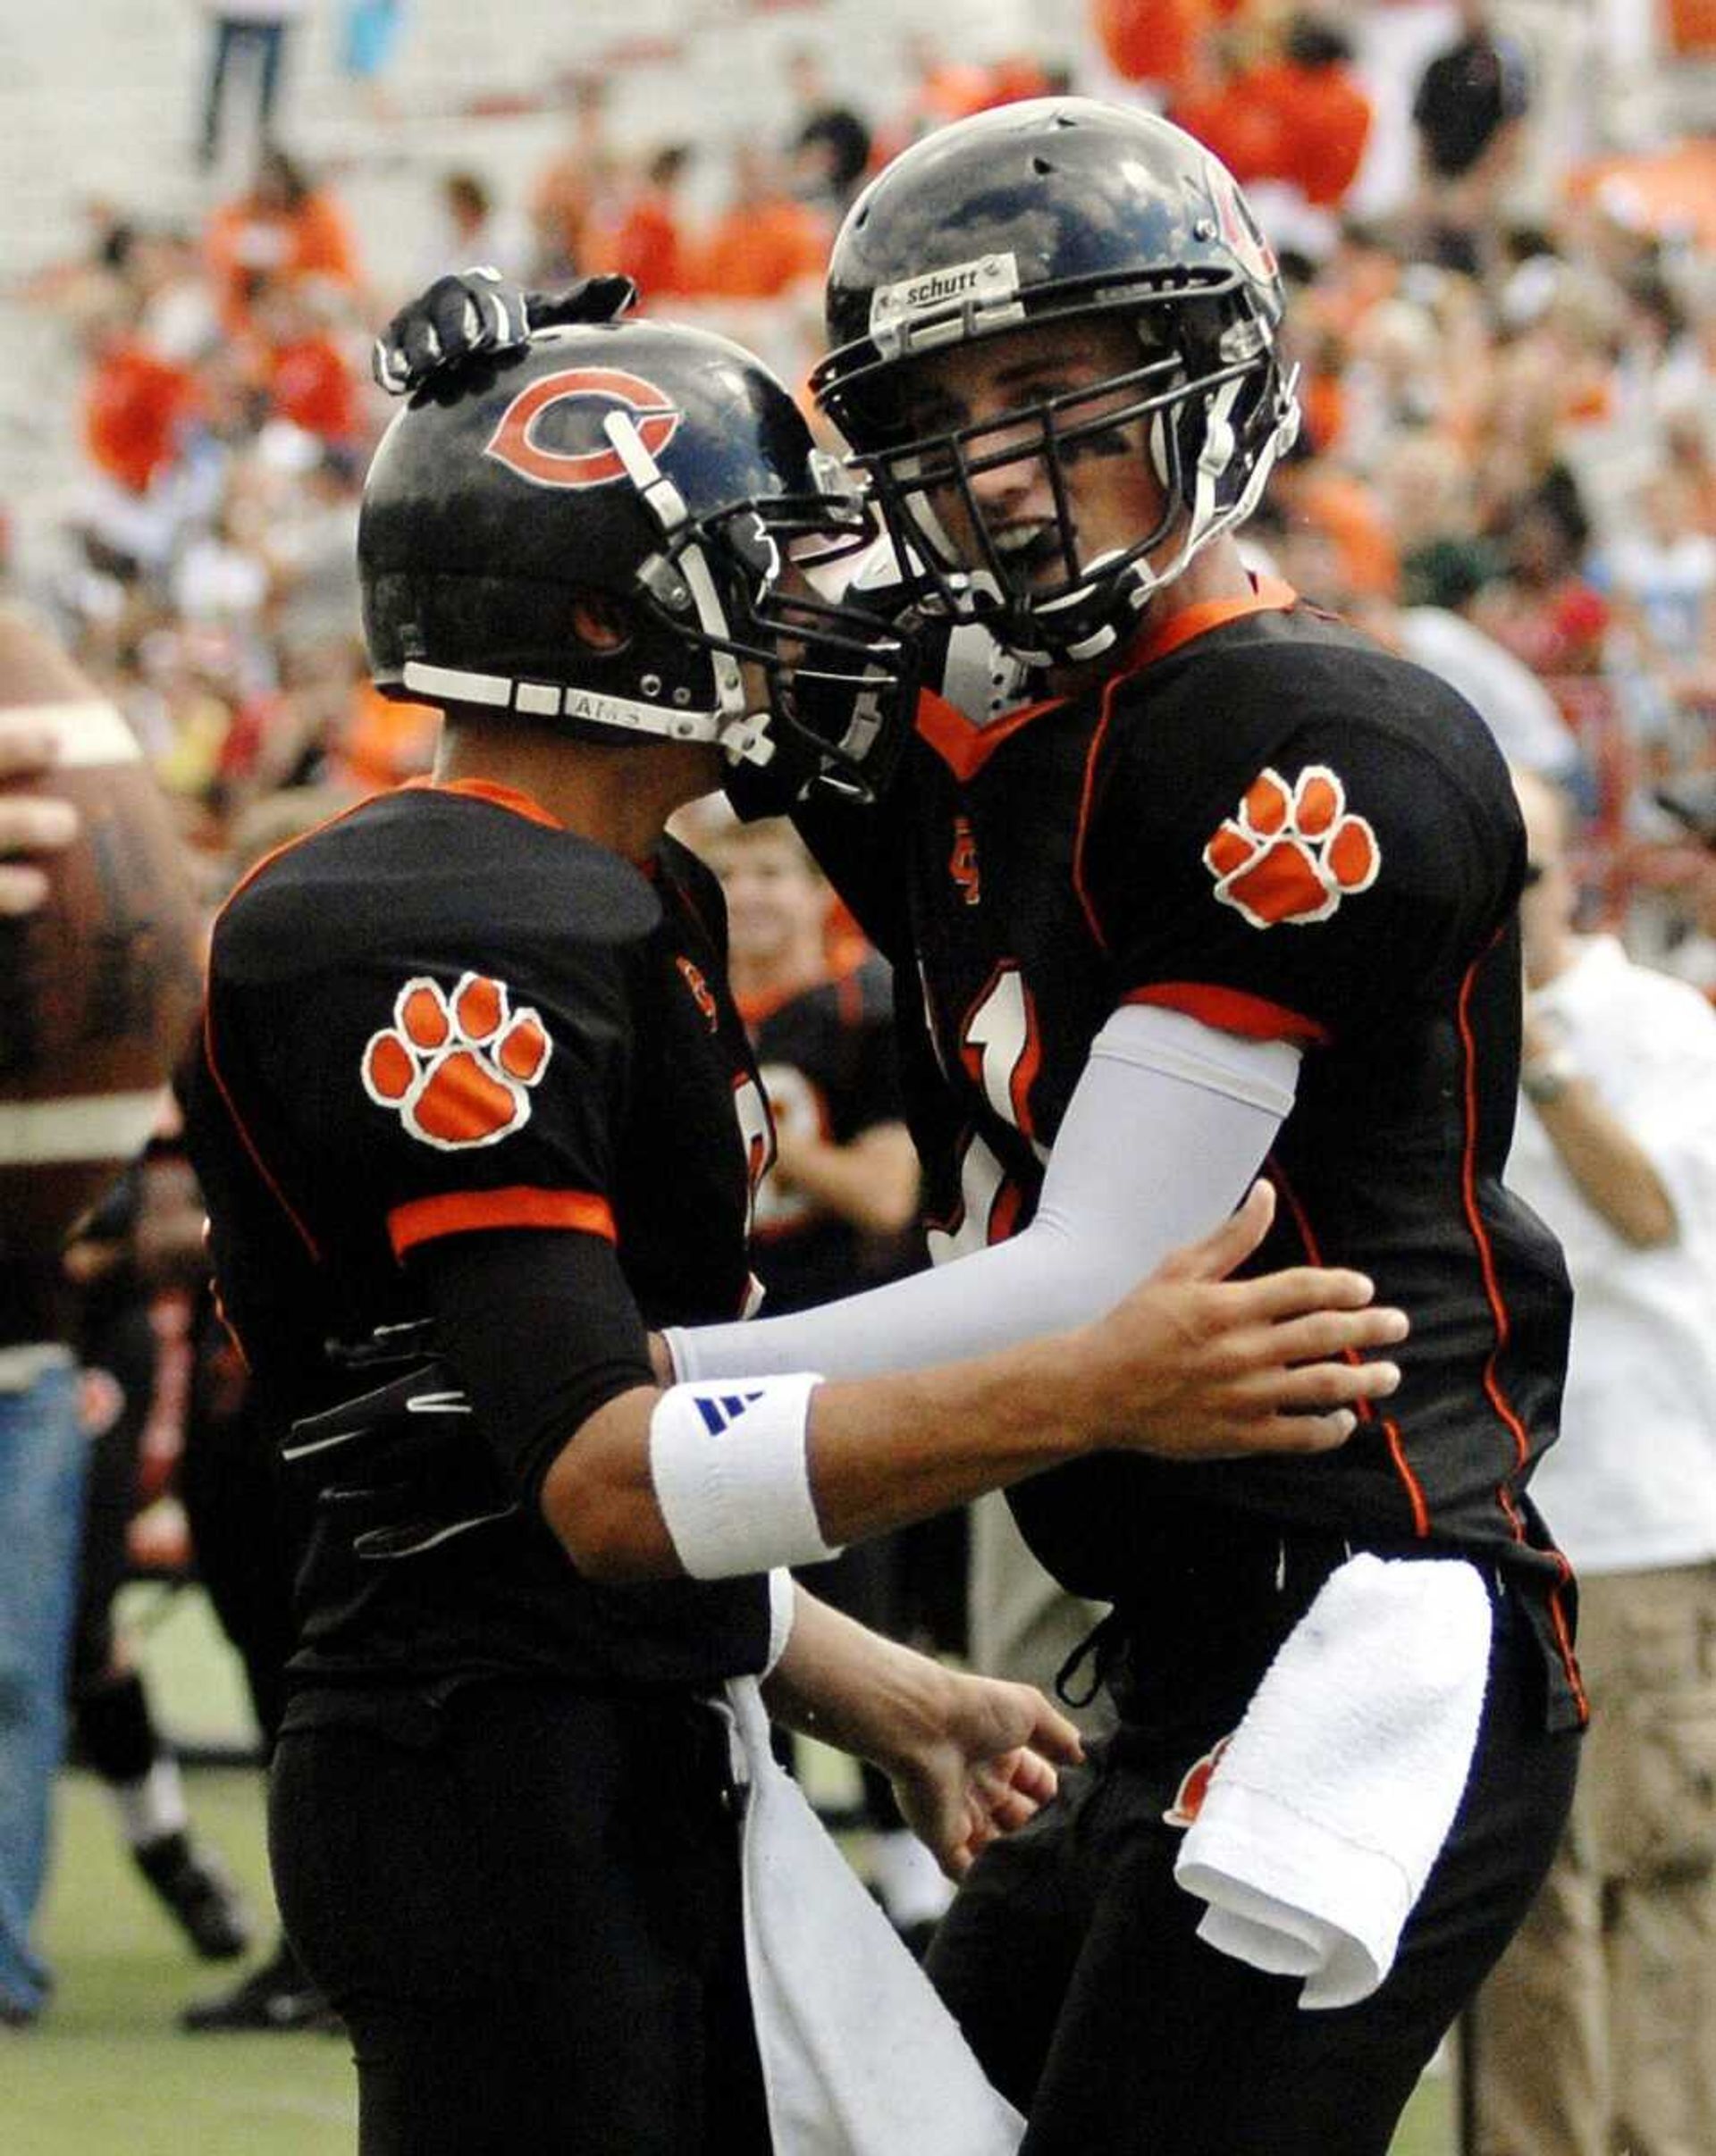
<point x="479" y="312"/>
<point x="403" y="1466"/>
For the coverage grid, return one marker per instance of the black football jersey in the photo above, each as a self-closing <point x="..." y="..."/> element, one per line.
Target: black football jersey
<point x="443" y="1014"/>
<point x="1271" y="825"/>
<point x="826" y="1056"/>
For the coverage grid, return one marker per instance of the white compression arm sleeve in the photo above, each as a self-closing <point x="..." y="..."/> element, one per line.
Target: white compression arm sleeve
<point x="1164" y="1131"/>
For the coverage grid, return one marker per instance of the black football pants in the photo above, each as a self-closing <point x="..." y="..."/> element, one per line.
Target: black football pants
<point x="527" y="1914"/>
<point x="1070" y="1959"/>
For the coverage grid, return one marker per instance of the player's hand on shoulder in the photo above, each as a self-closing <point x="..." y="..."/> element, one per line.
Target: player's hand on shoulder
<point x="986" y="1767"/>
<point x="30" y="823"/>
<point x="1194" y="1364"/>
<point x="478" y="312"/>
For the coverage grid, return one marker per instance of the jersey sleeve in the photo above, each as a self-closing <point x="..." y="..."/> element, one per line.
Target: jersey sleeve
<point x="1304" y="877"/>
<point x="459" y="1080"/>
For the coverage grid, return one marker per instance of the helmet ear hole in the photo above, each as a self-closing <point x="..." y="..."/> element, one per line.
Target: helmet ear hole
<point x="600" y="622"/>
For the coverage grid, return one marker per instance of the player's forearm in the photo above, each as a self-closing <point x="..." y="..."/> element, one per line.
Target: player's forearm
<point x="849" y="1687"/>
<point x="984" y="1302"/>
<point x="889" y="1450"/>
<point x="1199" y="1110"/>
<point x="879" y="1454"/>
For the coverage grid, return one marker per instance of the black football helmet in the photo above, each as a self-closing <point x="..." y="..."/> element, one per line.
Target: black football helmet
<point x="1052" y="211"/>
<point x="665" y="476"/>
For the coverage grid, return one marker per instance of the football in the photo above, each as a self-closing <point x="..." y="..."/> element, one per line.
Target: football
<point x="100" y="985"/>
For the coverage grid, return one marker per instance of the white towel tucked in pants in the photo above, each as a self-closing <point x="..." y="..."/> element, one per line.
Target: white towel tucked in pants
<point x="1328" y="1808"/>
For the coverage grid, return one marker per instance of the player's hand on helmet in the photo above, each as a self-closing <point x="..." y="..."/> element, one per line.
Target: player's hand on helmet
<point x="1196" y="1365"/>
<point x="478" y="312"/>
<point x="987" y="1768"/>
<point x="30" y="823"/>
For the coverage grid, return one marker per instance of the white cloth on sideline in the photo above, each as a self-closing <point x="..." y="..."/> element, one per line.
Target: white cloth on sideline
<point x="1630" y="1484"/>
<point x="859" y="2055"/>
<point x="1330" y="1804"/>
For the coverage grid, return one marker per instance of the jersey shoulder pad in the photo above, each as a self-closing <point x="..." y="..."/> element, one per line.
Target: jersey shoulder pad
<point x="418" y="869"/>
<point x="1315" y="829"/>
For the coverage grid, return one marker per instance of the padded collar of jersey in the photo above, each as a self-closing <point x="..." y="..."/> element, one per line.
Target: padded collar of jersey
<point x="965" y="747"/>
<point x="488" y="789"/>
<point x="520" y="803"/>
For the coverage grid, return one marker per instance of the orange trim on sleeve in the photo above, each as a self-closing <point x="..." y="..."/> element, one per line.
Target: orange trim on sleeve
<point x="1233" y="1010"/>
<point x="1364" y="1409"/>
<point x="1480" y="1236"/>
<point x="468" y="1212"/>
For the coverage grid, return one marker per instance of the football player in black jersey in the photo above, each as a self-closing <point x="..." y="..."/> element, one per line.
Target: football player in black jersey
<point x="1197" y="883"/>
<point x="470" y="1075"/>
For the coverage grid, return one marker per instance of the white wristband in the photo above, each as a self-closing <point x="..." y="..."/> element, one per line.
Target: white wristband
<point x="783" y="1608"/>
<point x="728" y="1463"/>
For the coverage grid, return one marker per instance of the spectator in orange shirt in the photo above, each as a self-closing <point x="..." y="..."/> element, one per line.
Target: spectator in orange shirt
<point x="1019" y="75"/>
<point x="1160" y="42"/>
<point x="135" y="406"/>
<point x="765" y="241"/>
<point x="574" y="185"/>
<point x="942" y="90"/>
<point x="643" y="236"/>
<point x="281" y="228"/>
<point x="304" y="370"/>
<point x="1321" y="114"/>
<point x="1292" y="125"/>
<point x="1315" y="490"/>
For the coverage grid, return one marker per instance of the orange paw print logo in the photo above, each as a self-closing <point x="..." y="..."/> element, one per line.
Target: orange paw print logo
<point x="458" y="1069"/>
<point x="1293" y="853"/>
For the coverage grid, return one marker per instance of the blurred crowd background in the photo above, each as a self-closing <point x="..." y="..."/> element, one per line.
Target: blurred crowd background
<point x="1503" y="302"/>
<point x="1497" y="223"/>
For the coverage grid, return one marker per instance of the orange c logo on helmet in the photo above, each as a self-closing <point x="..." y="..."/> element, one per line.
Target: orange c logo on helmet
<point x="1241" y="231"/>
<point x="600" y="389"/>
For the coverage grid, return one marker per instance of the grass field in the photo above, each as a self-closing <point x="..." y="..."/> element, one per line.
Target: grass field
<point x="107" y="2072"/>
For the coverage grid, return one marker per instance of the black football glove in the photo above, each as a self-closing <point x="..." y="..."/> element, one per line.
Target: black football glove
<point x="404" y="1464"/>
<point x="479" y="311"/>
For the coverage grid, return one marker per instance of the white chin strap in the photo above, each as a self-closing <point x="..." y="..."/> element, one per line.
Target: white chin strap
<point x="742" y="733"/>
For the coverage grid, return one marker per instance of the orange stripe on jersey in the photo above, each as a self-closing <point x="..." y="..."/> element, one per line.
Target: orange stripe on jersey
<point x="469" y="1212"/>
<point x="962" y="744"/>
<point x="1366" y="1412"/>
<point x="1231" y="1009"/>
<point x="241" y="1130"/>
